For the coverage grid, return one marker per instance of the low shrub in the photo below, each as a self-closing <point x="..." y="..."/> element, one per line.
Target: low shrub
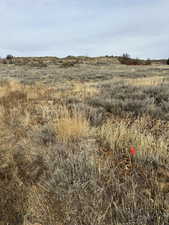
<point x="137" y="100"/>
<point x="39" y="64"/>
<point x="9" y="57"/>
<point x="125" y="59"/>
<point x="148" y="62"/>
<point x="67" y="64"/>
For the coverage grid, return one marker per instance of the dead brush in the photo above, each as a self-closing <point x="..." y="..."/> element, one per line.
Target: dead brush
<point x="13" y="194"/>
<point x="30" y="168"/>
<point x="18" y="173"/>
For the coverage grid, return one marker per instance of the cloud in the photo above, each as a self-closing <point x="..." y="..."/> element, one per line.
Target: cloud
<point x="61" y="27"/>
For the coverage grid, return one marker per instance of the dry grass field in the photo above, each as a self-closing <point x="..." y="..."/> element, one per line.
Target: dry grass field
<point x="66" y="131"/>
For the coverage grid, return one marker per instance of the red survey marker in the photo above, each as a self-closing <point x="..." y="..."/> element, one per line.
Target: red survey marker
<point x="132" y="150"/>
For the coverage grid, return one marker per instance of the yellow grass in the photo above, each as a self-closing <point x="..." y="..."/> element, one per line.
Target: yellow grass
<point x="39" y="90"/>
<point x="71" y="127"/>
<point x="120" y="137"/>
<point x="138" y="82"/>
<point x="146" y="81"/>
<point x="83" y="90"/>
<point x="77" y="89"/>
<point x="10" y="86"/>
<point x="36" y="91"/>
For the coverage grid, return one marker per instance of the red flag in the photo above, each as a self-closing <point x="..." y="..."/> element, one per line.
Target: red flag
<point x="132" y="150"/>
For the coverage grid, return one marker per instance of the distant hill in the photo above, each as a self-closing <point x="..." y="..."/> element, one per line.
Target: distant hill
<point x="101" y="60"/>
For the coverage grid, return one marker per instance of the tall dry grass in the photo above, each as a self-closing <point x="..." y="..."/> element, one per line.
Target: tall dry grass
<point x="71" y="126"/>
<point x="43" y="181"/>
<point x="119" y="136"/>
<point x="147" y="81"/>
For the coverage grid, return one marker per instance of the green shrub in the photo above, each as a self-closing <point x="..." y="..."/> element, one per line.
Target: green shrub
<point x="9" y="57"/>
<point x="168" y="61"/>
<point x="148" y="62"/>
<point x="67" y="64"/>
<point x="127" y="60"/>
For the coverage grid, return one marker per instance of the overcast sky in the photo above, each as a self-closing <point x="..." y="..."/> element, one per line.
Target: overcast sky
<point x="84" y="27"/>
